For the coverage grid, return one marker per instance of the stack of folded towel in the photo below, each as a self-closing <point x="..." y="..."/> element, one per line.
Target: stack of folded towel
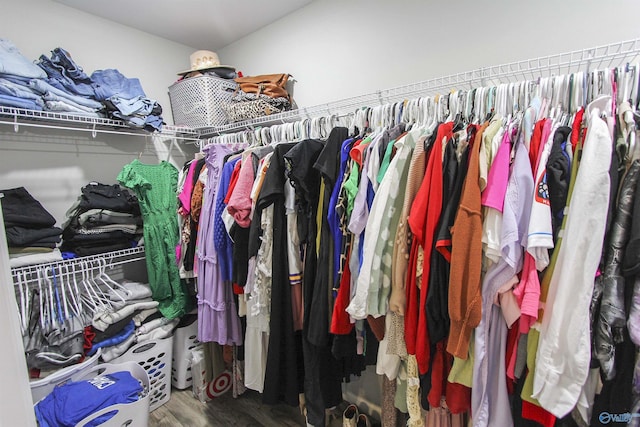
<point x="31" y="233"/>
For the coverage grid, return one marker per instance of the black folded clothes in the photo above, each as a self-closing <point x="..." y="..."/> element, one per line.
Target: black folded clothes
<point x="99" y="249"/>
<point x="22" y="236"/>
<point x="101" y="196"/>
<point x="105" y="218"/>
<point x="19" y="208"/>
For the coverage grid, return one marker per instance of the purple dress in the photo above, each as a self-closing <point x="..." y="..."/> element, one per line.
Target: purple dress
<point x="218" y="319"/>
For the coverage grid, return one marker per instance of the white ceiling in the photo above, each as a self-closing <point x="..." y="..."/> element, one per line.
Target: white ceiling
<point x="201" y="24"/>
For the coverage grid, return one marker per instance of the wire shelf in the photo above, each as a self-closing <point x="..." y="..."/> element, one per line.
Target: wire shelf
<point x="610" y="55"/>
<point x="17" y="117"/>
<point x="111" y="259"/>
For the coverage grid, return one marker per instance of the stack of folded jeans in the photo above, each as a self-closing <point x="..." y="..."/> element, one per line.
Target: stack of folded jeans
<point x="125" y="100"/>
<point x="31" y="233"/>
<point x="16" y="72"/>
<point x="68" y="88"/>
<point x="105" y="218"/>
<point x="58" y="84"/>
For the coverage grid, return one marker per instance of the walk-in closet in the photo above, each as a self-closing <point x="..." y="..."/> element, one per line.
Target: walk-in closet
<point x="320" y="213"/>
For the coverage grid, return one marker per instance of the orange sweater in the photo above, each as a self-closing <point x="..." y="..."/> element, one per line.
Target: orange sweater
<point x="465" y="302"/>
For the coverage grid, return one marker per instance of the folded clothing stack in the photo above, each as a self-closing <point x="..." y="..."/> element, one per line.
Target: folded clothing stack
<point x="105" y="218"/>
<point x="125" y="100"/>
<point x="59" y="84"/>
<point x="134" y="318"/>
<point x="31" y="233"/>
<point x="15" y="73"/>
<point x="68" y="88"/>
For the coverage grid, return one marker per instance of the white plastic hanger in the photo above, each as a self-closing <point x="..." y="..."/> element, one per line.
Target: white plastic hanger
<point x="65" y="280"/>
<point x="116" y="288"/>
<point x="24" y="301"/>
<point x="61" y="296"/>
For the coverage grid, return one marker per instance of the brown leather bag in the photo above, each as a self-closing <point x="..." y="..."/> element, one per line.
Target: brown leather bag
<point x="272" y="85"/>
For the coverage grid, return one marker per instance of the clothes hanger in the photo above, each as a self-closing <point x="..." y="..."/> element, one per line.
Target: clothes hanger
<point x="116" y="288"/>
<point x="469" y="106"/>
<point x="42" y="302"/>
<point x="53" y="319"/>
<point x="65" y="281"/>
<point x="24" y="302"/>
<point x="91" y="295"/>
<point x="63" y="308"/>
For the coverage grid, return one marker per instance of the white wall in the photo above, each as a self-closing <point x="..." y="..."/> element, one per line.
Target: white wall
<point x="38" y="26"/>
<point x="341" y="48"/>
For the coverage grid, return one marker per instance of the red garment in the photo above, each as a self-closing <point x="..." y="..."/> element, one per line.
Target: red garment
<point x="575" y="130"/>
<point x="89" y="336"/>
<point x="357" y="152"/>
<point x="536" y="141"/>
<point x="512" y="355"/>
<point x="513" y="335"/>
<point x="423" y="222"/>
<point x="537" y="414"/>
<point x="237" y="289"/>
<point x="458" y="398"/>
<point x="234" y="180"/>
<point x="340" y="321"/>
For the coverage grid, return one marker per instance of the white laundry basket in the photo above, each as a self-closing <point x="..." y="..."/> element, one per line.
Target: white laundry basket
<point x="185" y="340"/>
<point x="134" y="414"/>
<point x="155" y="357"/>
<point x="42" y="387"/>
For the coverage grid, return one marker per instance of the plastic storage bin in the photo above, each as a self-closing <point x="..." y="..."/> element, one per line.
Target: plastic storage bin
<point x="42" y="387"/>
<point x="155" y="357"/>
<point x="197" y="101"/>
<point x="184" y="342"/>
<point x="134" y="414"/>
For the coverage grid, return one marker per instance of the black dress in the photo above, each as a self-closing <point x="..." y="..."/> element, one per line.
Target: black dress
<point x="284" y="370"/>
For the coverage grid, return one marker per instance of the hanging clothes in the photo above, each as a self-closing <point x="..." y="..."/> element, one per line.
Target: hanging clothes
<point x="284" y="371"/>
<point x="155" y="186"/>
<point x="217" y="313"/>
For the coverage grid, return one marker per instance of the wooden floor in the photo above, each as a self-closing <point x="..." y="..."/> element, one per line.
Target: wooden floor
<point x="246" y="411"/>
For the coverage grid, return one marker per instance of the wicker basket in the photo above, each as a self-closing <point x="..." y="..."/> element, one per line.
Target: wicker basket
<point x="198" y="102"/>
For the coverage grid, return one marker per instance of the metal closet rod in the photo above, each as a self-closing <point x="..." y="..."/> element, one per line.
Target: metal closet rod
<point x="529" y="69"/>
<point x="123" y="256"/>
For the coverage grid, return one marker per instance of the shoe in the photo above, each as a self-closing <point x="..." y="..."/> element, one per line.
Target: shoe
<point x="363" y="421"/>
<point x="350" y="416"/>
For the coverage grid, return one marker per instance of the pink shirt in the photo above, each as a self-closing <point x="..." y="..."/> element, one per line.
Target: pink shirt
<point x="239" y="205"/>
<point x="187" y="189"/>
<point x="498" y="177"/>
